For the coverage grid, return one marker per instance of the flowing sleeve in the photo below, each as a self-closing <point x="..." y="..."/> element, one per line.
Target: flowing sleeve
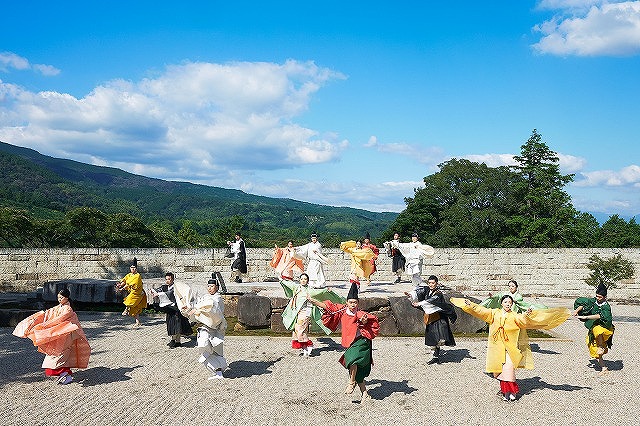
<point x="485" y="314"/>
<point x="183" y="294"/>
<point x="277" y="255"/>
<point x="287" y="287"/>
<point x="606" y="319"/>
<point x="347" y="246"/>
<point x="545" y="319"/>
<point x="372" y="328"/>
<point x="25" y="326"/>
<point x="492" y="302"/>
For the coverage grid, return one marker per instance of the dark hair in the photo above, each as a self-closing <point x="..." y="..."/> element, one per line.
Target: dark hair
<point x="305" y="274"/>
<point x="513" y="281"/>
<point x="169" y="274"/>
<point x="65" y="292"/>
<point x="504" y="297"/>
<point x="432" y="277"/>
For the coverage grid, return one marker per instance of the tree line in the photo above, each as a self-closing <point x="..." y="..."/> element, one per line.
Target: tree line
<point x="464" y="204"/>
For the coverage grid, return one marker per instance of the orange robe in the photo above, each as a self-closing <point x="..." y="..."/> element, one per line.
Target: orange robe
<point x="57" y="334"/>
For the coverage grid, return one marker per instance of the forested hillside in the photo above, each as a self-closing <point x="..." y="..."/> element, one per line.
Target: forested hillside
<point x="49" y="194"/>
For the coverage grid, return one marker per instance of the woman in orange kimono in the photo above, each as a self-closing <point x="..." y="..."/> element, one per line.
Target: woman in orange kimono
<point x="57" y="334"/>
<point x="285" y="261"/>
<point x="136" y="300"/>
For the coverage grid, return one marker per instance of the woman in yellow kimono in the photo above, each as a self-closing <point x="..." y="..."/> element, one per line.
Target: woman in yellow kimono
<point x="504" y="354"/>
<point x="136" y="300"/>
<point x="57" y="334"/>
<point x="361" y="266"/>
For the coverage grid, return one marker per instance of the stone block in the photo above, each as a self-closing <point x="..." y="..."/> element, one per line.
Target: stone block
<point x="370" y="304"/>
<point x="409" y="319"/>
<point x="388" y="324"/>
<point x="276" y="323"/>
<point x="279" y="302"/>
<point x="254" y="311"/>
<point x="11" y="317"/>
<point x="230" y="305"/>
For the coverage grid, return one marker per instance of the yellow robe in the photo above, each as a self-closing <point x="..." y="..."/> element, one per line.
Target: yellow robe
<point x="504" y="331"/>
<point x="136" y="300"/>
<point x="360" y="259"/>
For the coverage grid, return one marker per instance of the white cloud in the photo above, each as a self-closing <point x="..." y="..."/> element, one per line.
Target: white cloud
<point x="604" y="29"/>
<point x="430" y="155"/>
<point x="568" y="163"/>
<point x="627" y="176"/>
<point x="194" y="119"/>
<point x="382" y="196"/>
<point x="9" y="60"/>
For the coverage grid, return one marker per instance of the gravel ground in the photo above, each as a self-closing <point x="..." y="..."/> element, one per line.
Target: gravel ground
<point x="134" y="378"/>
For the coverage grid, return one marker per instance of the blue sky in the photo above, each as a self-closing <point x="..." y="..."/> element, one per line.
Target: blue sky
<point x="338" y="103"/>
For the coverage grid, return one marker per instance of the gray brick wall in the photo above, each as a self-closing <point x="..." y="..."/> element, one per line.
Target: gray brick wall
<point x="542" y="272"/>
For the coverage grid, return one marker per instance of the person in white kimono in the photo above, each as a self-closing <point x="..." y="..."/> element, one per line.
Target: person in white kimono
<point x="414" y="252"/>
<point x="239" y="264"/>
<point x="312" y="251"/>
<point x="208" y="310"/>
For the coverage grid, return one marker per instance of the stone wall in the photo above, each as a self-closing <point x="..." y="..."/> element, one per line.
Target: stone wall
<point x="540" y="272"/>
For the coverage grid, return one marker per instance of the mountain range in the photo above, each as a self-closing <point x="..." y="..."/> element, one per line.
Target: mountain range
<point x="47" y="187"/>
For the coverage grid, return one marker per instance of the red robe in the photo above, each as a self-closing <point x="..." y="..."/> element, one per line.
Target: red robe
<point x="337" y="314"/>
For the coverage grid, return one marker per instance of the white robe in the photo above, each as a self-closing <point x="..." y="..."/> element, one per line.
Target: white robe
<point x="209" y="311"/>
<point x="414" y="253"/>
<point x="313" y="252"/>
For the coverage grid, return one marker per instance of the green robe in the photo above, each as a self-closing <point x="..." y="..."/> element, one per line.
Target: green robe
<point x="298" y="296"/>
<point x="590" y="307"/>
<point x="519" y="305"/>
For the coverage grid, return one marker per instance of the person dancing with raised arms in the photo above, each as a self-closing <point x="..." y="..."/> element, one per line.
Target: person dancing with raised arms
<point x="596" y="314"/>
<point x="503" y="353"/>
<point x="299" y="312"/>
<point x="312" y="251"/>
<point x="359" y="328"/>
<point x="208" y="311"/>
<point x="58" y="334"/>
<point x="414" y="252"/>
<point x="136" y="300"/>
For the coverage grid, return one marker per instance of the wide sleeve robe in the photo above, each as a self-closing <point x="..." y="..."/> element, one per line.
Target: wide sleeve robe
<point x="504" y="330"/>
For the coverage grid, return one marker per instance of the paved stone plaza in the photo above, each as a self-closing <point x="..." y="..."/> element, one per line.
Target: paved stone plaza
<point x="134" y="378"/>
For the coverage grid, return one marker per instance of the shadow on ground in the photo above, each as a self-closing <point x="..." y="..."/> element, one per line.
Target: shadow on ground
<point x="243" y="368"/>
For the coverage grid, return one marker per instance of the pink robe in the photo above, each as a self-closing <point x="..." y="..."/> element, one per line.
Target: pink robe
<point x="57" y="334"/>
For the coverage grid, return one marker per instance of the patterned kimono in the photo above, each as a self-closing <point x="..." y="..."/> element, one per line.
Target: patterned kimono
<point x="299" y="312"/>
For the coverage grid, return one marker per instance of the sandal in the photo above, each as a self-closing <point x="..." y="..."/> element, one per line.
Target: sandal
<point x="350" y="387"/>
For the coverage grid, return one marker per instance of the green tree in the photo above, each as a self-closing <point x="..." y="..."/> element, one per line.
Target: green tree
<point x="124" y="230"/>
<point x="608" y="271"/>
<point x="188" y="236"/>
<point x="616" y="232"/>
<point x="17" y="228"/>
<point x="87" y="227"/>
<point x="544" y="213"/>
<point x="465" y="204"/>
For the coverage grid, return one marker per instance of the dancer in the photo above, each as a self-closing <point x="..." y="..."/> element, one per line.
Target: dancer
<point x="414" y="252"/>
<point x="503" y="353"/>
<point x="437" y="314"/>
<point x="519" y="305"/>
<point x="312" y="251"/>
<point x="361" y="266"/>
<point x="366" y="243"/>
<point x="208" y="311"/>
<point x="285" y="261"/>
<point x="398" y="260"/>
<point x="596" y="314"/>
<point x="58" y="334"/>
<point x="136" y="300"/>
<point x="358" y="330"/>
<point x="239" y="264"/>
<point x="299" y="313"/>
<point x="177" y="324"/>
